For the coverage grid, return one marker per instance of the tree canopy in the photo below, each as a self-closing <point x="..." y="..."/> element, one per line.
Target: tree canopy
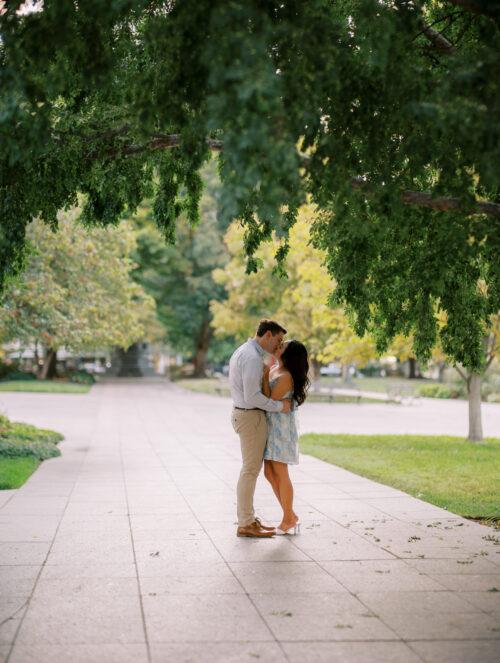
<point x="77" y="291"/>
<point x="298" y="303"/>
<point x="179" y="277"/>
<point x="385" y="112"/>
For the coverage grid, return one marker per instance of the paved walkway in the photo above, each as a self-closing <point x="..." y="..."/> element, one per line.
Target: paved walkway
<point x="124" y="549"/>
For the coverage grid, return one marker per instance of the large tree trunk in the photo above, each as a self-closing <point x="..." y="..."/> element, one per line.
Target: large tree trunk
<point x="412" y="368"/>
<point x="48" y="370"/>
<point x="346" y="374"/>
<point x="475" y="422"/>
<point x="202" y="344"/>
<point x="129" y="362"/>
<point x="314" y="366"/>
<point x="441" y="369"/>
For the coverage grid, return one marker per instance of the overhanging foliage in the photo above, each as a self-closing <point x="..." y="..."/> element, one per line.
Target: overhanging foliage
<point x="402" y="94"/>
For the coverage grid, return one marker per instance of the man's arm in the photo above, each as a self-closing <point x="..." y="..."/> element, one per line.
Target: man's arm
<point x="252" y="388"/>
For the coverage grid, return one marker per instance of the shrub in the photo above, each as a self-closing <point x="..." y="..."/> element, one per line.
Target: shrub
<point x="18" y="439"/>
<point x="5" y="425"/>
<point x="11" y="448"/>
<point x="12" y="372"/>
<point x="29" y="433"/>
<point x="81" y="377"/>
<point x="20" y="375"/>
<point x="438" y="391"/>
<point x="5" y="369"/>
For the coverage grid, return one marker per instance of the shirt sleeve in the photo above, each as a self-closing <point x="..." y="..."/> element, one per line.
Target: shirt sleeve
<point x="252" y="387"/>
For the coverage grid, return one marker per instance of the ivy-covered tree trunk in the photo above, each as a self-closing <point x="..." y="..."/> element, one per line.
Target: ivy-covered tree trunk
<point x="202" y="346"/>
<point x="48" y="370"/>
<point x="475" y="422"/>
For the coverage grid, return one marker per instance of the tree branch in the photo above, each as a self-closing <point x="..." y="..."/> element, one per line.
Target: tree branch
<point x="441" y="203"/>
<point x="461" y="373"/>
<point x="491" y="349"/>
<point x="420" y="198"/>
<point x="490" y="8"/>
<point x="159" y="142"/>
<point x="438" y="41"/>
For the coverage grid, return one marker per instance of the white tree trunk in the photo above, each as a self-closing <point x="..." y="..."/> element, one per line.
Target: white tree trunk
<point x="475" y="423"/>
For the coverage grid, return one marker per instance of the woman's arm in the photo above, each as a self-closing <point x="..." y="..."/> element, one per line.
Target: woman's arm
<point x="283" y="385"/>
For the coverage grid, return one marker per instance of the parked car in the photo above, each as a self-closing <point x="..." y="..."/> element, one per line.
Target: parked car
<point x="331" y="370"/>
<point x="93" y="367"/>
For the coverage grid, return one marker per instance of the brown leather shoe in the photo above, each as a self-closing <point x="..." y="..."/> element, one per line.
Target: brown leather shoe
<point x="254" y="531"/>
<point x="264" y="527"/>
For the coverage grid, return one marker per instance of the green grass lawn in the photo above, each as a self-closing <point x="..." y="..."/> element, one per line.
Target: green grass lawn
<point x="15" y="471"/>
<point x="381" y="385"/>
<point x="205" y="385"/>
<point x="22" y="448"/>
<point x="221" y="388"/>
<point x="446" y="471"/>
<point x="44" y="386"/>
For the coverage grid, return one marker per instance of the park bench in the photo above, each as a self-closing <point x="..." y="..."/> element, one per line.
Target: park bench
<point x="393" y="394"/>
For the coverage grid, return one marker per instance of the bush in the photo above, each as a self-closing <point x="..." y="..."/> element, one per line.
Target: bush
<point x="20" y="375"/>
<point x="29" y="433"/>
<point x="490" y="389"/>
<point x="18" y="439"/>
<point x="5" y="425"/>
<point x="439" y="391"/>
<point x="12" y="372"/>
<point x="11" y="448"/>
<point x="81" y="377"/>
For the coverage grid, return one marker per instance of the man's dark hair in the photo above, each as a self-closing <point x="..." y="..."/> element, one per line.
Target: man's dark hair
<point x="269" y="325"/>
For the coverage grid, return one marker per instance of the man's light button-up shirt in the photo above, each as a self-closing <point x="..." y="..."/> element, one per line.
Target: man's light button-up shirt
<point x="245" y="378"/>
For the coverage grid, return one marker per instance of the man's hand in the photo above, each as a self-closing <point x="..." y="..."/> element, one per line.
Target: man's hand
<point x="287" y="406"/>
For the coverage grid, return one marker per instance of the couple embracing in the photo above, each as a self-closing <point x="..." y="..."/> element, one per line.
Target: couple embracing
<point x="268" y="377"/>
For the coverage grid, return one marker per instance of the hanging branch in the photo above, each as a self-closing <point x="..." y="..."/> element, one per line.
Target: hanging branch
<point x="420" y="198"/>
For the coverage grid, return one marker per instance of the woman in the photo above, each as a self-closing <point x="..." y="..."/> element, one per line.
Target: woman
<point x="286" y="379"/>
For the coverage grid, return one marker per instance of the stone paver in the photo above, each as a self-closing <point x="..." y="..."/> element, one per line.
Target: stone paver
<point x="124" y="548"/>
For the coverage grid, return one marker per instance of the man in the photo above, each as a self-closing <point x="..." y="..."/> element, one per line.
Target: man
<point x="249" y="419"/>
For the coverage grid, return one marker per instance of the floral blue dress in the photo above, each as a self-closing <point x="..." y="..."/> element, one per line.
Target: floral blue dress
<point x="282" y="435"/>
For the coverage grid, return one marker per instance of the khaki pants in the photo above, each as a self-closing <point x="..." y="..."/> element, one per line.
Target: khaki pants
<point x="251" y="426"/>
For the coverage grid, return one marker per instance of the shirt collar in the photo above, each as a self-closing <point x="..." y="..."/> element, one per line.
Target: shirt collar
<point x="260" y="350"/>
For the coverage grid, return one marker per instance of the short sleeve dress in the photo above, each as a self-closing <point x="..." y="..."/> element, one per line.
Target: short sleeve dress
<point x="282" y="435"/>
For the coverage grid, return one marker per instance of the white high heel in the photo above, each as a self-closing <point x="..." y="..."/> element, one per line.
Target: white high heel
<point x="291" y="531"/>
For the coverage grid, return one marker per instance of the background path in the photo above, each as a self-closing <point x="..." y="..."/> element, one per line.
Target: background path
<point x="124" y="548"/>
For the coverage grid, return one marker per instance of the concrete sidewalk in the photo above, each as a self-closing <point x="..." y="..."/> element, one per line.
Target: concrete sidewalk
<point x="124" y="549"/>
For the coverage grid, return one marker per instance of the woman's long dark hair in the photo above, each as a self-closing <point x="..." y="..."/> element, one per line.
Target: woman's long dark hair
<point x="296" y="361"/>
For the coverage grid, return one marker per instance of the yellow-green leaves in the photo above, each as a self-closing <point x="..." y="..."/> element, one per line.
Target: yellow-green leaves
<point x="76" y="290"/>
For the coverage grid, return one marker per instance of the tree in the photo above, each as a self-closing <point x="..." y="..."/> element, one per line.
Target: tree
<point x="402" y="347"/>
<point x="473" y="379"/>
<point x="77" y="292"/>
<point x="179" y="277"/>
<point x="385" y="112"/>
<point x="298" y="302"/>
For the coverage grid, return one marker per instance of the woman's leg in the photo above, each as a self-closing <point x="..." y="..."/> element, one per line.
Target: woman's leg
<point x="272" y="478"/>
<point x="285" y="489"/>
